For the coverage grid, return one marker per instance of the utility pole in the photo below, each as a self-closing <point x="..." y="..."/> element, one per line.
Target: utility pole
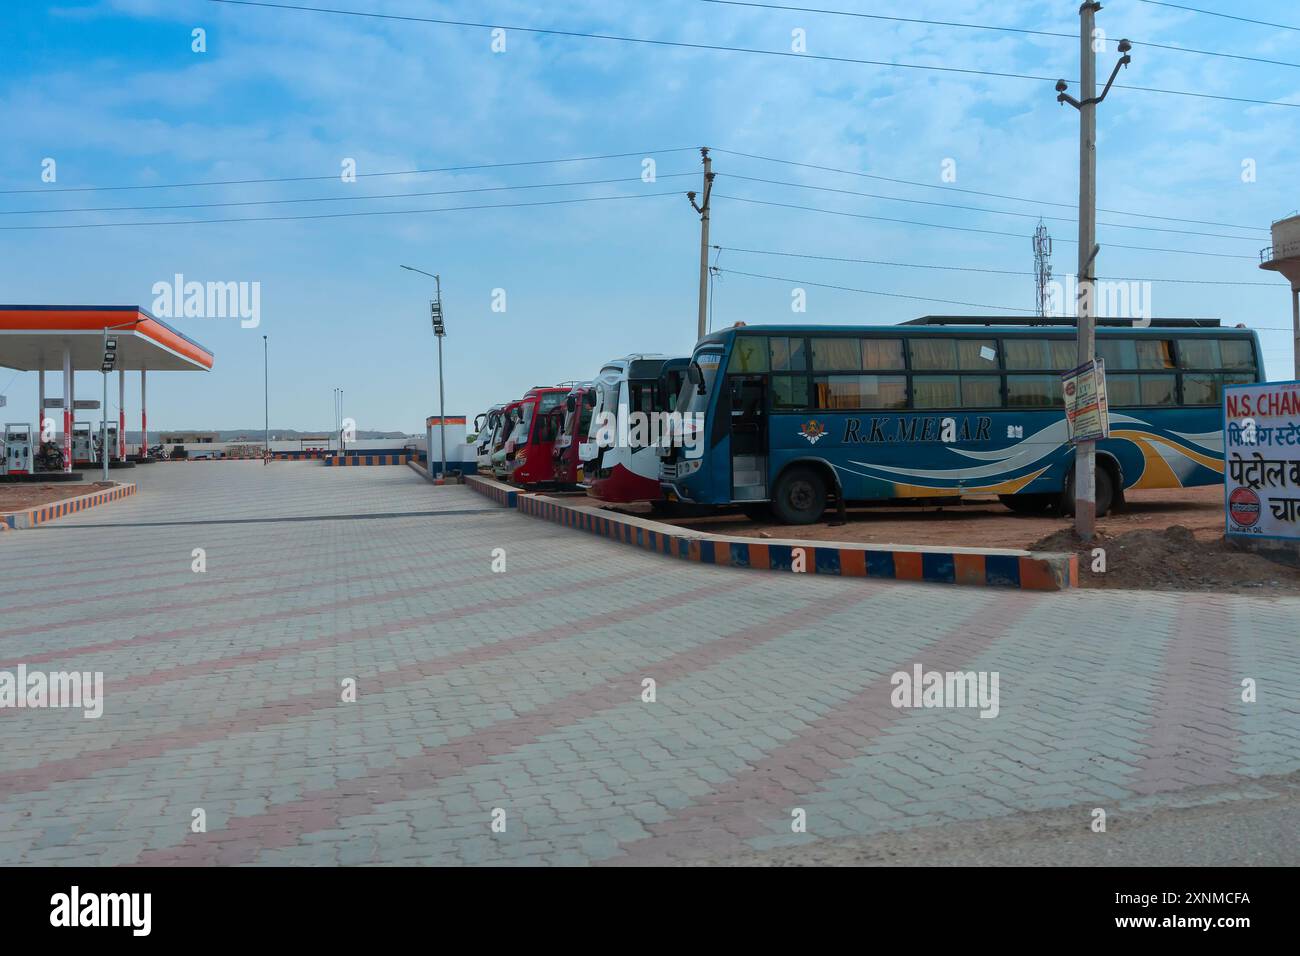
<point x="702" y="208"/>
<point x="1085" y="452"/>
<point x="266" y="405"/>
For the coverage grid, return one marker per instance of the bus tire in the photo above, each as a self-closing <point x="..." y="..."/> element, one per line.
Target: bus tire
<point x="1029" y="504"/>
<point x="1103" y="488"/>
<point x="799" y="497"/>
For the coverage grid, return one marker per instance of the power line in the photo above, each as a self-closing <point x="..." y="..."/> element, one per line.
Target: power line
<point x="335" y="176"/>
<point x="717" y="47"/>
<point x="989" y="27"/>
<point x="897" y="295"/>
<point x="946" y="268"/>
<point x="977" y="192"/>
<point x="987" y="232"/>
<point x="891" y="295"/>
<point x="337" y="215"/>
<point x="273" y="202"/>
<point x="996" y="212"/>
<point x="1226" y="16"/>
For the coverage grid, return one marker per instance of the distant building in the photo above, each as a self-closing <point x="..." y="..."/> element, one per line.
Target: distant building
<point x="189" y="438"/>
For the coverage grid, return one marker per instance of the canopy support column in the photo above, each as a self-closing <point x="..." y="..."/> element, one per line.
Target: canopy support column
<point x="121" y="414"/>
<point x="144" y="419"/>
<point x="67" y="407"/>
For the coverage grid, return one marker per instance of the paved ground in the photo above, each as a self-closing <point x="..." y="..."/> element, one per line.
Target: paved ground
<point x="522" y="691"/>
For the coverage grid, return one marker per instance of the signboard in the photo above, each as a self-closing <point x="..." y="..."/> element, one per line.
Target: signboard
<point x="80" y="404"/>
<point x="1261" y="453"/>
<point x="1086" y="410"/>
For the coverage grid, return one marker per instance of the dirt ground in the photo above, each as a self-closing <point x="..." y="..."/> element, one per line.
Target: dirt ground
<point x="21" y="496"/>
<point x="1163" y="540"/>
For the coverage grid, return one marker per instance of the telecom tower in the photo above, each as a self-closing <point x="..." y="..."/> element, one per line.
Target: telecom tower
<point x="1042" y="268"/>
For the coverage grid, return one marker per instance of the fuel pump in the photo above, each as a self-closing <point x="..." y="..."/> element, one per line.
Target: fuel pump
<point x="83" y="444"/>
<point x="18" y="449"/>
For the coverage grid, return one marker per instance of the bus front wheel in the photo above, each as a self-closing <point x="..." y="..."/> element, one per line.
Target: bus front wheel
<point x="799" y="497"/>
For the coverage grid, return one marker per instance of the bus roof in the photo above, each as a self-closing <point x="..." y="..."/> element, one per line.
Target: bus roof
<point x="987" y="325"/>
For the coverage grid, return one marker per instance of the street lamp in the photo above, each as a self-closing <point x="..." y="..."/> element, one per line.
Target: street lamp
<point x="106" y="366"/>
<point x="439" y="331"/>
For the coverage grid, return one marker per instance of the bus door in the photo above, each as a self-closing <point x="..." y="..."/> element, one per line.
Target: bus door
<point x="748" y="396"/>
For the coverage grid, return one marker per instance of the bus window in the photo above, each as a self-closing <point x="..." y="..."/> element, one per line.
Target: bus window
<point x="1237" y="354"/>
<point x="1199" y="353"/>
<point x="789" y="391"/>
<point x="861" y="391"/>
<point x="836" y="354"/>
<point x="788" y="354"/>
<point x="956" y="391"/>
<point x="1207" y="389"/>
<point x="1155" y="353"/>
<point x="1158" y="390"/>
<point x="1034" y="391"/>
<point x="1116" y="353"/>
<point x="882" y="354"/>
<point x="748" y="354"/>
<point x="953" y="354"/>
<point x="1033" y="354"/>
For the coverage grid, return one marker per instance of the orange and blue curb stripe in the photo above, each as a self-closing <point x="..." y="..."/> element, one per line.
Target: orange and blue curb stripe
<point x="396" y="459"/>
<point x="30" y="518"/>
<point x="502" y="494"/>
<point x="992" y="568"/>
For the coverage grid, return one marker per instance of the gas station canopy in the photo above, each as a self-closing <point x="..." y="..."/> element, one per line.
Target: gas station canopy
<point x="33" y="338"/>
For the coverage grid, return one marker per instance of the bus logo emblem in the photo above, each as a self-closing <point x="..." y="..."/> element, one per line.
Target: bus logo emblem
<point x="813" y="431"/>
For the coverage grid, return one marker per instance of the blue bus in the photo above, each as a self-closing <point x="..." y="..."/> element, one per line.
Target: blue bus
<point x="943" y="407"/>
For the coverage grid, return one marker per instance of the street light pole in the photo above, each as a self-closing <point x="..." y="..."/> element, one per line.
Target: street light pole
<point x="439" y="331"/>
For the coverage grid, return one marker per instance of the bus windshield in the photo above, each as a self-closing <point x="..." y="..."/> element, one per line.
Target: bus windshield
<point x="689" y="399"/>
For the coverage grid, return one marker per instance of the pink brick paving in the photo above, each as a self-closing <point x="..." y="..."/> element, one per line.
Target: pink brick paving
<point x="471" y="677"/>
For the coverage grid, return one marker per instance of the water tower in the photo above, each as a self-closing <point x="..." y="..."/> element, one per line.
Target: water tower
<point x="1284" y="256"/>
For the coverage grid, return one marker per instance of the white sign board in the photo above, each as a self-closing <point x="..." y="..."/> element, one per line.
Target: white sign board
<point x="1086" y="409"/>
<point x="1261" y="454"/>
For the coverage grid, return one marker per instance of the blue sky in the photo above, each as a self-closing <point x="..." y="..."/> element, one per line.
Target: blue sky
<point x="111" y="90"/>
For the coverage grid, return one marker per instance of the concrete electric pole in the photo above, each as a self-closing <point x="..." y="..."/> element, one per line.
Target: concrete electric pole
<point x="1085" y="452"/>
<point x="702" y="208"/>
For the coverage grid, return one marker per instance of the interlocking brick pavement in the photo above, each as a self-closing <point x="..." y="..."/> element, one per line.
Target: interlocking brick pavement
<point x="523" y="690"/>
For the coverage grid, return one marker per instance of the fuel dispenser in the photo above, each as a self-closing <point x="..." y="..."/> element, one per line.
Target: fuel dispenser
<point x="112" y="441"/>
<point x="18" y="449"/>
<point x="83" y="444"/>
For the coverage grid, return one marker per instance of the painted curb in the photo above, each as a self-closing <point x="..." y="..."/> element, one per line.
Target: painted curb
<point x="20" y="520"/>
<point x="502" y="494"/>
<point x="994" y="567"/>
<point x="339" y="461"/>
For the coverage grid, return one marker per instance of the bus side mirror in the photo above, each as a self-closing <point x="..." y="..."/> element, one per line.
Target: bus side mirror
<point x="589" y="398"/>
<point x="695" y="376"/>
<point x="570" y="404"/>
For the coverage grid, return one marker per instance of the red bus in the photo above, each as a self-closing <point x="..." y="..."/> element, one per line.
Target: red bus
<point x="575" y="420"/>
<point x="534" y="437"/>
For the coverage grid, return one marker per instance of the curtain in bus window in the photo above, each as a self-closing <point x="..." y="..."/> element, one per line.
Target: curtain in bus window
<point x="861" y="391"/>
<point x="936" y="391"/>
<point x="789" y="391"/>
<point x="1116" y="353"/>
<point x="882" y="353"/>
<point x="1155" y="353"/>
<point x="1121" y="389"/>
<point x="1065" y="354"/>
<point x="979" y="355"/>
<point x="836" y="354"/>
<point x="788" y="354"/>
<point x="1034" y="391"/>
<point x="1159" y="390"/>
<point x="748" y="354"/>
<point x="1199" y="353"/>
<point x="1026" y="353"/>
<point x="934" y="353"/>
<point x="981" y="391"/>
<point x="1237" y="354"/>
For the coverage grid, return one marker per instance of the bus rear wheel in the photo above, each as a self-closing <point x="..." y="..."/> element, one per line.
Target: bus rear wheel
<point x="1104" y="489"/>
<point x="799" y="497"/>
